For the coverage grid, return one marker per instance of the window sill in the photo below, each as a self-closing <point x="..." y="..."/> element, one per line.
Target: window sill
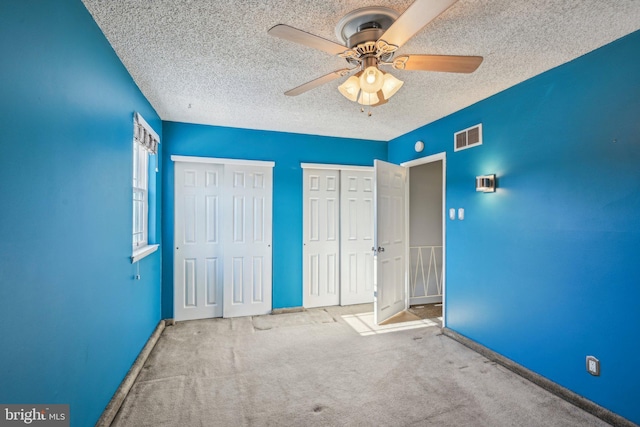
<point x="142" y="252"/>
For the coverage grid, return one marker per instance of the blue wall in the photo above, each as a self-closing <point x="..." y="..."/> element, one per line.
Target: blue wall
<point x="288" y="151"/>
<point x="546" y="270"/>
<point x="72" y="319"/>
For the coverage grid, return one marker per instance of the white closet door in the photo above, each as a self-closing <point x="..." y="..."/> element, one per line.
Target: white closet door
<point x="247" y="228"/>
<point x="356" y="240"/>
<point x="198" y="246"/>
<point x="321" y="235"/>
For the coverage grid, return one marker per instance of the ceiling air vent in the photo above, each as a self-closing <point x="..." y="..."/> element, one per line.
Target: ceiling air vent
<point x="467" y="138"/>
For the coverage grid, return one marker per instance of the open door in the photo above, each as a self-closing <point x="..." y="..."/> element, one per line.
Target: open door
<point x="390" y="296"/>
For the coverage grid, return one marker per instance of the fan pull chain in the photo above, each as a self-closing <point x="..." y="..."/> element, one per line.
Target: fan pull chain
<point x="369" y="104"/>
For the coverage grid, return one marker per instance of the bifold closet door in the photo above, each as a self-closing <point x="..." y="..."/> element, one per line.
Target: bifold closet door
<point x="198" y="244"/>
<point x="321" y="251"/>
<point x="356" y="237"/>
<point x="247" y="250"/>
<point x="222" y="255"/>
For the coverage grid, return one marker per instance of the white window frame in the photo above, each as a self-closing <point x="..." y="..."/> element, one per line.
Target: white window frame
<point x="140" y="197"/>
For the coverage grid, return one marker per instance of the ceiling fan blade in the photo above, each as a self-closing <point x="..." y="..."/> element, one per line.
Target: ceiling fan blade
<point x="419" y="14"/>
<point x="445" y="63"/>
<point x="298" y="36"/>
<point x="318" y="82"/>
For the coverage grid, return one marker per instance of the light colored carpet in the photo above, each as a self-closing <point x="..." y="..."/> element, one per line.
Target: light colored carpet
<point x="364" y="324"/>
<point x="313" y="369"/>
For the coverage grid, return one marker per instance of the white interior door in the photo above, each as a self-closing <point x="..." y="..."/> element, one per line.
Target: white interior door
<point x="356" y="236"/>
<point x="321" y="237"/>
<point x="198" y="247"/>
<point x="248" y="252"/>
<point x="390" y="295"/>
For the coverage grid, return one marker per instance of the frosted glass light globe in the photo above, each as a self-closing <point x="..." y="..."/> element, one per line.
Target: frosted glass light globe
<point x="371" y="80"/>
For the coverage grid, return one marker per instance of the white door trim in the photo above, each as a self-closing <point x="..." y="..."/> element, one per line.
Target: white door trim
<point x="222" y="161"/>
<point x="429" y="159"/>
<point x="323" y="166"/>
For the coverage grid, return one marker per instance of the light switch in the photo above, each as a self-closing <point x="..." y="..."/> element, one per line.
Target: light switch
<point x="452" y="214"/>
<point x="593" y="366"/>
<point x="461" y="214"/>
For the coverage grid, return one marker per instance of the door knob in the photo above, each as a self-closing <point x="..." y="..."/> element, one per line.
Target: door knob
<point x="380" y="249"/>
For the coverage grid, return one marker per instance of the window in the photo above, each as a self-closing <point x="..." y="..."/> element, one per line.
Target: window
<point x="140" y="196"/>
<point x="145" y="143"/>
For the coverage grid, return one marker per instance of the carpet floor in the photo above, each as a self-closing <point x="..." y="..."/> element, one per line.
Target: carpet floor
<point x="427" y="311"/>
<point x="312" y="369"/>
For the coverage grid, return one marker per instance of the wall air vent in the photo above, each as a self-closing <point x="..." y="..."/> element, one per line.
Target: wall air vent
<point x="467" y="138"/>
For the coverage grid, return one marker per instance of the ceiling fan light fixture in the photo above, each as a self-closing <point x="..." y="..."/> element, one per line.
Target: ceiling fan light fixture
<point x="367" y="98"/>
<point x="371" y="80"/>
<point x="371" y="36"/>
<point x="390" y="85"/>
<point x="350" y="88"/>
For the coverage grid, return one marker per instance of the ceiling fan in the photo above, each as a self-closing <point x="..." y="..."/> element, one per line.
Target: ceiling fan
<point x="372" y="35"/>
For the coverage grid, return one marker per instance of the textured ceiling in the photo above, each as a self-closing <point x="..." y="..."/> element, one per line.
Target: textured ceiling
<point x="212" y="62"/>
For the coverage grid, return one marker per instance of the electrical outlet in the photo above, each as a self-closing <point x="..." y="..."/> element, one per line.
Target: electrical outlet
<point x="593" y="366"/>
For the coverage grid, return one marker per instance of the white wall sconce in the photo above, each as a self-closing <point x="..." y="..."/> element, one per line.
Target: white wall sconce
<point x="486" y="183"/>
<point x="419" y="146"/>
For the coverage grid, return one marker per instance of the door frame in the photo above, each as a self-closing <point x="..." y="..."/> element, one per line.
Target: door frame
<point x="417" y="162"/>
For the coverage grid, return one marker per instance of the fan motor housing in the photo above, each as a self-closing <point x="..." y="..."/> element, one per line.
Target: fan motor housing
<point x="366" y="35"/>
<point x="365" y="24"/>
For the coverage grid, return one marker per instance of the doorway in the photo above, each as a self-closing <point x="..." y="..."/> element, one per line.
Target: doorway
<point x="410" y="230"/>
<point x="427" y="222"/>
<point x="425" y="235"/>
